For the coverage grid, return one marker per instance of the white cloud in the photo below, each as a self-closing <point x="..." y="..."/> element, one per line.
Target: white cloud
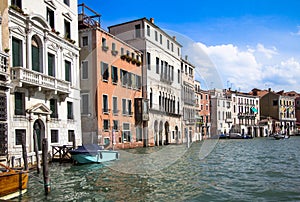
<point x="267" y="52"/>
<point x="245" y="69"/>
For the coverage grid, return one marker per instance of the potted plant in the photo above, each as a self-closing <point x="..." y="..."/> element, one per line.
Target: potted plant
<point x="6" y="50"/>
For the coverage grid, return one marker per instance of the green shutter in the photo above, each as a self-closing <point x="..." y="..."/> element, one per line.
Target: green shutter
<point x="67" y="71"/>
<point x="50" y="65"/>
<point x="35" y="56"/>
<point x="16" y="52"/>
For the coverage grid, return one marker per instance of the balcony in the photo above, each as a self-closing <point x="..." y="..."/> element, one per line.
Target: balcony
<point x="4" y="68"/>
<point x="25" y="77"/>
<point x="166" y="80"/>
<point x="228" y="120"/>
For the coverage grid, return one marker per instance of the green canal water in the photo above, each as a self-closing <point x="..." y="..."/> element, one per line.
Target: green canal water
<point x="260" y="169"/>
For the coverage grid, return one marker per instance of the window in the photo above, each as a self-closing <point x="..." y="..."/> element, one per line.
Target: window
<point x="3" y="108"/>
<point x="116" y="125"/>
<point x="17" y="3"/>
<point x="138" y="82"/>
<point x="168" y="44"/>
<point x="122" y="51"/>
<point x="148" y="30"/>
<point x="104" y="43"/>
<point x="129" y="107"/>
<point x="106" y="124"/>
<point x="178" y="78"/>
<point x="156" y="36"/>
<point x="19" y="134"/>
<point x="54" y="136"/>
<point x="172" y="73"/>
<point x="126" y="136"/>
<point x="85" y="104"/>
<point x="17" y="53"/>
<point x="124" y="111"/>
<point x="105" y="103"/>
<point x="149" y="60"/>
<point x="115" y="105"/>
<point x="67" y="2"/>
<point x="3" y="139"/>
<point x="51" y="64"/>
<point x="151" y="98"/>
<point x="85" y="70"/>
<point x="129" y="79"/>
<point x="104" y="71"/>
<point x="113" y="46"/>
<point x="85" y="41"/>
<point x="275" y="102"/>
<point x="71" y="135"/>
<point x="139" y="136"/>
<point x="123" y="75"/>
<point x="67" y="25"/>
<point x="50" y="18"/>
<point x="68" y="76"/>
<point x="19" y="103"/>
<point x="70" y="110"/>
<point x="114" y="74"/>
<point x="160" y="39"/>
<point x="36" y="54"/>
<point x="172" y="47"/>
<point x="53" y="108"/>
<point x="157" y="65"/>
<point x="138" y="31"/>
<point x="178" y="51"/>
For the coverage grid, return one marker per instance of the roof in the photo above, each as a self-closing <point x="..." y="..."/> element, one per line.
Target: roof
<point x="149" y="22"/>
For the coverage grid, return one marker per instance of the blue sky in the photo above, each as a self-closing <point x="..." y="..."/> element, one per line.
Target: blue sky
<point x="248" y="43"/>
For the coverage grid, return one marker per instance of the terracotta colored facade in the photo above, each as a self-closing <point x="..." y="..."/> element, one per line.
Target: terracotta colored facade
<point x="111" y="79"/>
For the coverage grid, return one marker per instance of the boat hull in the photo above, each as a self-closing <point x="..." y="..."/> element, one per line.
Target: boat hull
<point x="99" y="157"/>
<point x="12" y="183"/>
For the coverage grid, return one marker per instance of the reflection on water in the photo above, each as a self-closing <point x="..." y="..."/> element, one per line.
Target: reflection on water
<point x="260" y="169"/>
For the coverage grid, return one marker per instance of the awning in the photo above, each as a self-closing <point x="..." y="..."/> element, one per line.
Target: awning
<point x="254" y="109"/>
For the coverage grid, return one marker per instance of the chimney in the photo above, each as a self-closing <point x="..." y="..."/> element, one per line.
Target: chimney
<point x="174" y="37"/>
<point x="152" y="20"/>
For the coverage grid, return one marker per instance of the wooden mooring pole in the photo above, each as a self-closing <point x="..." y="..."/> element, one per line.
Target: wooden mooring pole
<point x="36" y="150"/>
<point x="45" y="166"/>
<point x="24" y="151"/>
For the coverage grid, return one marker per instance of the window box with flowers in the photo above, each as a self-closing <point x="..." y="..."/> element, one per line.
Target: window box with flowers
<point x="138" y="63"/>
<point x="114" y="52"/>
<point x="105" y="48"/>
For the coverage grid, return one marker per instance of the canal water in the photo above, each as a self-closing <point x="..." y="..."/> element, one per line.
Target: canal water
<point x="260" y="169"/>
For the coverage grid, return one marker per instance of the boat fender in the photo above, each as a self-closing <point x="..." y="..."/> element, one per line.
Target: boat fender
<point x="101" y="155"/>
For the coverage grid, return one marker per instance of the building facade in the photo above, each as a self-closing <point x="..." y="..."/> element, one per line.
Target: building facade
<point x="44" y="97"/>
<point x="188" y="101"/>
<point x="280" y="107"/>
<point x="220" y="111"/>
<point x="161" y="78"/>
<point x="110" y="82"/>
<point x="4" y="96"/>
<point x="202" y="107"/>
<point x="245" y="113"/>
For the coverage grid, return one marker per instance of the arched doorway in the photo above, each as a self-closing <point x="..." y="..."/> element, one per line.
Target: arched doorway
<point x="39" y="131"/>
<point x="167" y="132"/>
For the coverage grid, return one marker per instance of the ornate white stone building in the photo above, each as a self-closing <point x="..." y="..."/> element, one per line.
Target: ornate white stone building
<point x="44" y="95"/>
<point x="161" y="78"/>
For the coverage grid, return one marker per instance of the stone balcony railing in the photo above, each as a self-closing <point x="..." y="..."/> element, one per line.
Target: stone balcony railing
<point x="3" y="64"/>
<point x="37" y="79"/>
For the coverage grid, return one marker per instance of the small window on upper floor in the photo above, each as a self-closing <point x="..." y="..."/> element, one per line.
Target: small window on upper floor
<point x="172" y="47"/>
<point x="85" y="41"/>
<point x="67" y="2"/>
<point x="148" y="30"/>
<point x="160" y="39"/>
<point x="67" y="29"/>
<point x="17" y="3"/>
<point x="50" y="18"/>
<point x="156" y="36"/>
<point x="168" y="44"/>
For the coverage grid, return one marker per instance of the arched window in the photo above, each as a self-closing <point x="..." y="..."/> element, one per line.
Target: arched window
<point x="36" y="54"/>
